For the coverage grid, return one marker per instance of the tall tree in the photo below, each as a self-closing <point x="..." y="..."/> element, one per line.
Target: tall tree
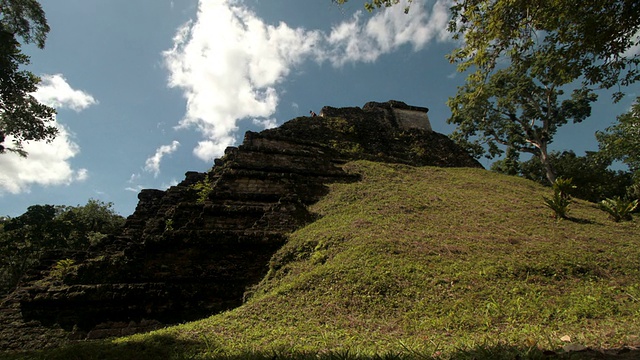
<point x="22" y="117"/>
<point x="520" y="57"/>
<point x="516" y="110"/>
<point x="522" y="54"/>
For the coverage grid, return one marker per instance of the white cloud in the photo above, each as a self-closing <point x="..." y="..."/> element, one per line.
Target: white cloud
<point x="359" y="40"/>
<point x="229" y="62"/>
<point x="209" y="149"/>
<point x="134" y="177"/>
<point x="153" y="163"/>
<point x="633" y="50"/>
<point x="54" y="91"/>
<point x="266" y="123"/>
<point x="163" y="186"/>
<point x="47" y="164"/>
<point x="136" y="189"/>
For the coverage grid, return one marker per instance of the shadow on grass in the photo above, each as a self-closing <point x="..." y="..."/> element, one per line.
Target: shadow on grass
<point x="580" y="221"/>
<point x="166" y="347"/>
<point x="511" y="353"/>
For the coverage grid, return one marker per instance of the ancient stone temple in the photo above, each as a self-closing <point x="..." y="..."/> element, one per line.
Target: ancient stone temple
<point x="396" y="112"/>
<point x="193" y="250"/>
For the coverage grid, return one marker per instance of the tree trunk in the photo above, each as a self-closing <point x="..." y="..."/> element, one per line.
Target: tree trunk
<point x="544" y="158"/>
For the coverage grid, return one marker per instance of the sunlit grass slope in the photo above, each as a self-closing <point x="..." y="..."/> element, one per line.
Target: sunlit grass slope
<point x="422" y="262"/>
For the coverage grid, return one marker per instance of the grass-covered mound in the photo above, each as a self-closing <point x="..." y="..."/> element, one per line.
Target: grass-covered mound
<point x="420" y="262"/>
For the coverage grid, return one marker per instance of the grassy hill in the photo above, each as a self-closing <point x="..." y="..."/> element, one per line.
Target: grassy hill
<point x="420" y="263"/>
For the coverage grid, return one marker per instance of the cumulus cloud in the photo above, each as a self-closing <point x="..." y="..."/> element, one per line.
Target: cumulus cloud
<point x="266" y="123"/>
<point x="48" y="164"/>
<point x="153" y="163"/>
<point x="228" y="62"/>
<point x="54" y="91"/>
<point x="359" y="40"/>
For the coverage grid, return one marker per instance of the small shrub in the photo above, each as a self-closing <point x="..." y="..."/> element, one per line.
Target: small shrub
<point x="619" y="208"/>
<point x="564" y="187"/>
<point x="559" y="204"/>
<point x="95" y="237"/>
<point x="203" y="188"/>
<point x="561" y="199"/>
<point x="168" y="225"/>
<point x="62" y="268"/>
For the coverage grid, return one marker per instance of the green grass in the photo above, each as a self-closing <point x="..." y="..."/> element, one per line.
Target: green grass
<point x="417" y="263"/>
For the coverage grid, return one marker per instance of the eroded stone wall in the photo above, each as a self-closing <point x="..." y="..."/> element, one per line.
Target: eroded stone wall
<point x="181" y="256"/>
<point x="412" y="119"/>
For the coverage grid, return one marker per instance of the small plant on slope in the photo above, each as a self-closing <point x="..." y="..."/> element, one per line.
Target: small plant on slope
<point x="62" y="268"/>
<point x="203" y="189"/>
<point x="561" y="199"/>
<point x="564" y="187"/>
<point x="619" y="208"/>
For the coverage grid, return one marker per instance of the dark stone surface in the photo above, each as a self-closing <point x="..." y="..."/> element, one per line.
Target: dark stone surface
<point x="179" y="259"/>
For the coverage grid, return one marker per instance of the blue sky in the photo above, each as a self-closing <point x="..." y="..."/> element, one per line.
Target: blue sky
<point x="149" y="89"/>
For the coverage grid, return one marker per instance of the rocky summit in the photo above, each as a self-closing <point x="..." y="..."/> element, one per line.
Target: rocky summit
<point x="195" y="249"/>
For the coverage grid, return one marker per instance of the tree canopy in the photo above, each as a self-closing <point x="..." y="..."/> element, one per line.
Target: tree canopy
<point x="521" y="56"/>
<point x="622" y="140"/>
<point x="591" y="40"/>
<point x="26" y="19"/>
<point x="25" y="238"/>
<point x="517" y="111"/>
<point x="22" y="117"/>
<point x="593" y="179"/>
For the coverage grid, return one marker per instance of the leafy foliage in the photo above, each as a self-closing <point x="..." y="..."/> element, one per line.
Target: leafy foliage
<point x="203" y="189"/>
<point x="521" y="54"/>
<point x="564" y="187"/>
<point x="26" y="19"/>
<point x="587" y="40"/>
<point x="22" y="117"/>
<point x="62" y="268"/>
<point x="619" y="208"/>
<point x="517" y="110"/>
<point x="633" y="191"/>
<point x="591" y="175"/>
<point x="561" y="199"/>
<point x="622" y="140"/>
<point x="168" y="225"/>
<point x="24" y="239"/>
<point x="559" y="205"/>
